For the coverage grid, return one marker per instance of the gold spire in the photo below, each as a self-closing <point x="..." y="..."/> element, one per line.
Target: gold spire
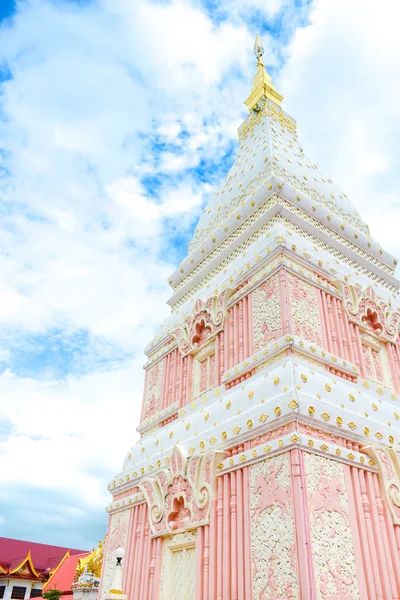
<point x="262" y="83"/>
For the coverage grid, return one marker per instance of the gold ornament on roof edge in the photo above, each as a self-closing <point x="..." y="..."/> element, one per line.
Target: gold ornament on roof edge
<point x="91" y="563"/>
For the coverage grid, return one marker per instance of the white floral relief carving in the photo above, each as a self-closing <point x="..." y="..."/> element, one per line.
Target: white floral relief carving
<point x="306" y="319"/>
<point x="267" y="318"/>
<point x="330" y="529"/>
<point x="116" y="538"/>
<point x="152" y="390"/>
<point x="274" y="564"/>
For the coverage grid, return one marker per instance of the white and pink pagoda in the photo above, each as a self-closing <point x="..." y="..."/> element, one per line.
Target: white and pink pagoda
<point x="268" y="465"/>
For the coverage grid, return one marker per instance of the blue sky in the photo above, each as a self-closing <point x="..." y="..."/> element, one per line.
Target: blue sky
<point x="118" y="120"/>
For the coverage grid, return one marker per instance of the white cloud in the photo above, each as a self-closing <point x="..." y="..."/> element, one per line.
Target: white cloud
<point x="84" y="245"/>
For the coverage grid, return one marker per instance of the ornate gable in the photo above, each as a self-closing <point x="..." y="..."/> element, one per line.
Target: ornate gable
<point x="365" y="308"/>
<point x="180" y="497"/>
<point x="207" y="320"/>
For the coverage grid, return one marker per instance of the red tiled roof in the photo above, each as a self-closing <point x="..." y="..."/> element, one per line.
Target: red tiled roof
<point x="63" y="577"/>
<point x="44" y="557"/>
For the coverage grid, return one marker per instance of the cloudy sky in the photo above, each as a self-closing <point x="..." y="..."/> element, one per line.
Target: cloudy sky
<point x="117" y="120"/>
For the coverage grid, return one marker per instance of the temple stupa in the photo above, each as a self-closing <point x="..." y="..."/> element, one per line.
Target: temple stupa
<point x="268" y="463"/>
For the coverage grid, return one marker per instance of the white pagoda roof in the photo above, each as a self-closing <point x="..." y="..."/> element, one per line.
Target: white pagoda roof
<point x="269" y="146"/>
<point x="270" y="163"/>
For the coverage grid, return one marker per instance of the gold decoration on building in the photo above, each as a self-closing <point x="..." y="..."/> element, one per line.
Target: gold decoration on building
<point x="91" y="563"/>
<point x="262" y="89"/>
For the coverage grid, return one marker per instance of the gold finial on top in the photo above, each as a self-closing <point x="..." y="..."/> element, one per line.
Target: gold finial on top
<point x="258" y="48"/>
<point x="262" y="83"/>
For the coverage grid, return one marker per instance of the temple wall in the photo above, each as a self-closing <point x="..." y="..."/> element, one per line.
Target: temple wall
<point x="297" y="525"/>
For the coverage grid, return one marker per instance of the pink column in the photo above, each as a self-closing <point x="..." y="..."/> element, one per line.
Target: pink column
<point x="241" y="567"/>
<point x="384" y="537"/>
<point x="231" y="338"/>
<point x="189" y="378"/>
<point x="221" y="356"/>
<point x="153" y="546"/>
<point x="184" y="384"/>
<point x="220" y="541"/>
<point x="142" y="574"/>
<point x="217" y="360"/>
<point x="213" y="547"/>
<point x="250" y="322"/>
<point x="370" y="532"/>
<point x="377" y="536"/>
<point x="300" y="505"/>
<point x="363" y="536"/>
<point x="226" y="343"/>
<point x="234" y="540"/>
<point x="130" y="551"/>
<point x="248" y="566"/>
<point x="345" y="343"/>
<point x="241" y="333"/>
<point x="157" y="577"/>
<point x="246" y="326"/>
<point x="348" y="337"/>
<point x="390" y="533"/>
<point x="236" y="349"/>
<point x="178" y="378"/>
<point x="139" y="550"/>
<point x="199" y="563"/>
<point x="226" y="576"/>
<point x="356" y="533"/>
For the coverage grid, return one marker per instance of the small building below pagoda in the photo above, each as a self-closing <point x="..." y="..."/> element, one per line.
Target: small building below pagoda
<point x="25" y="567"/>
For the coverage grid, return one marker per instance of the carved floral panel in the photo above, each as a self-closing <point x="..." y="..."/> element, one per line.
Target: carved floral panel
<point x="152" y="390"/>
<point x="306" y="318"/>
<point x="267" y="319"/>
<point x="330" y="529"/>
<point x="116" y="537"/>
<point x="274" y="563"/>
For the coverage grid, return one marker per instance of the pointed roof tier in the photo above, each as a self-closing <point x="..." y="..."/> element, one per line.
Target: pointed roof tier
<point x="273" y="175"/>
